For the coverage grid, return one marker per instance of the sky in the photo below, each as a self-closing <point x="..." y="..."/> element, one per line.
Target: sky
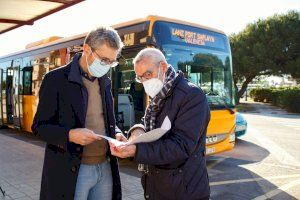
<point x="230" y="16"/>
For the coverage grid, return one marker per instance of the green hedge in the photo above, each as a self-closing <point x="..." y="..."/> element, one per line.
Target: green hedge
<point x="288" y="98"/>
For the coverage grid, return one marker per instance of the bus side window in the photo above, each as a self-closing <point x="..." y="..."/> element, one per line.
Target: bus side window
<point x="27" y="81"/>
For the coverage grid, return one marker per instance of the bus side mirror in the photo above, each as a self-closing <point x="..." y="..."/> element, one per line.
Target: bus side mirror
<point x="150" y="41"/>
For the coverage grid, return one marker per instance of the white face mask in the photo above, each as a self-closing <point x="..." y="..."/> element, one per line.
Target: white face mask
<point x="97" y="68"/>
<point x="153" y="86"/>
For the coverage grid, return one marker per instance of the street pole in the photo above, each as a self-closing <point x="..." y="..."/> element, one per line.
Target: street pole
<point x="246" y="93"/>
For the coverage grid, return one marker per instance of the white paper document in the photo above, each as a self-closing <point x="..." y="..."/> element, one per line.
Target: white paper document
<point x="112" y="140"/>
<point x="150" y="136"/>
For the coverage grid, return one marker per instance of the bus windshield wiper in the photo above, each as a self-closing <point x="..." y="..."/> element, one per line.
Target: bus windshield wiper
<point x="223" y="102"/>
<point x="225" y="105"/>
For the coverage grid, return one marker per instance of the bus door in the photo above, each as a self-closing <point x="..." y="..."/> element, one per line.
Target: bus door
<point x="16" y="97"/>
<point x="9" y="96"/>
<point x="4" y="96"/>
<point x="1" y="106"/>
<point x="131" y="99"/>
<point x="12" y="95"/>
<point x="28" y="100"/>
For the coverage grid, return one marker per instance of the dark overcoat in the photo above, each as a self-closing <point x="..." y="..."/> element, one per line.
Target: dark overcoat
<point x="177" y="165"/>
<point x="62" y="106"/>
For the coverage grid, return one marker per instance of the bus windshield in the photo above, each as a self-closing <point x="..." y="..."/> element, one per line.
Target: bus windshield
<point x="205" y="62"/>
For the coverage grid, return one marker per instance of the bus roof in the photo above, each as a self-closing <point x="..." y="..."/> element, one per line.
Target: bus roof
<point x="154" y="18"/>
<point x="151" y="18"/>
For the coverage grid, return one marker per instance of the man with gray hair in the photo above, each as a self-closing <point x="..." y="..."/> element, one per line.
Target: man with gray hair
<point x="75" y="106"/>
<point x="174" y="166"/>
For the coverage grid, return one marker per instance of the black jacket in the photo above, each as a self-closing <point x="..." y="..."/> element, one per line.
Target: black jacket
<point x="62" y="107"/>
<point x="177" y="166"/>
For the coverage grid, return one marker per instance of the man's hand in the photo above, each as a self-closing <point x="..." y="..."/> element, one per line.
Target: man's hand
<point x="82" y="136"/>
<point x="121" y="137"/>
<point x="123" y="151"/>
<point x="135" y="133"/>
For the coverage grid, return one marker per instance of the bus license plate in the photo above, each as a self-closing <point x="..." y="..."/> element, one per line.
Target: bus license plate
<point x="210" y="150"/>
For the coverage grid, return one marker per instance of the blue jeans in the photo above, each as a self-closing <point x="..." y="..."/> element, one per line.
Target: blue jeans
<point x="94" y="182"/>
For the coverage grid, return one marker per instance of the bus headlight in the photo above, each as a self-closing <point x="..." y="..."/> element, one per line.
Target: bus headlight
<point x="213" y="139"/>
<point x="232" y="138"/>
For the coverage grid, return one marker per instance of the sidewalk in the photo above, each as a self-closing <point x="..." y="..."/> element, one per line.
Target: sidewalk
<point x="263" y="108"/>
<point x="21" y="162"/>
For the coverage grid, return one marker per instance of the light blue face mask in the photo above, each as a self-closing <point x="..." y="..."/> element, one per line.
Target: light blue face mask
<point x="97" y="68"/>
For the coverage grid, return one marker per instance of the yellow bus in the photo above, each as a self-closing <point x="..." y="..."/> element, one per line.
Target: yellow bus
<point x="201" y="53"/>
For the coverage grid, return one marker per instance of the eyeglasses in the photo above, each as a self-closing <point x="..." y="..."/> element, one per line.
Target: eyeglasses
<point x="106" y="61"/>
<point x="146" y="76"/>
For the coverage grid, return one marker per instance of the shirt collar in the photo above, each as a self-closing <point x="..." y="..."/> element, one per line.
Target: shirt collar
<point x="85" y="75"/>
<point x="76" y="71"/>
<point x="74" y="75"/>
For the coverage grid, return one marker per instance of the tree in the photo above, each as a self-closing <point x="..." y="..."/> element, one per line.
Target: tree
<point x="266" y="47"/>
